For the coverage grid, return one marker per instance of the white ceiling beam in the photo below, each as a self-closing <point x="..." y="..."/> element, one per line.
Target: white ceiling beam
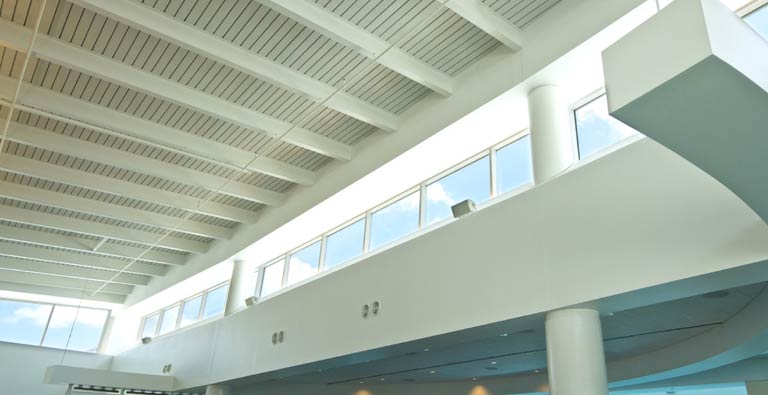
<point x="99" y="229"/>
<point x="485" y="19"/>
<point x="196" y="40"/>
<point x="30" y="266"/>
<point x="66" y="175"/>
<point x="115" y="157"/>
<point x="61" y="292"/>
<point x="88" y="62"/>
<point x="25" y="235"/>
<point x="96" y="207"/>
<point x="147" y="131"/>
<point x="80" y="259"/>
<point x="64" y="282"/>
<point x="367" y="44"/>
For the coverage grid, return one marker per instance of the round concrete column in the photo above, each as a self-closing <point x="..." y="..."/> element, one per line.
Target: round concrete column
<point x="241" y="286"/>
<point x="552" y="141"/>
<point x="575" y="357"/>
<point x="214" y="389"/>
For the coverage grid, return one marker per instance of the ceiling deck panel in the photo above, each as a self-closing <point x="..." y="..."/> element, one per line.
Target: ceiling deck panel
<point x="11" y="62"/>
<point x="169" y="61"/>
<point x="520" y="12"/>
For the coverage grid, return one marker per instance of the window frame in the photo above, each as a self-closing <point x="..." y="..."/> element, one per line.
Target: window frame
<point x="50" y="315"/>
<point x="324" y="246"/>
<point x="494" y="172"/>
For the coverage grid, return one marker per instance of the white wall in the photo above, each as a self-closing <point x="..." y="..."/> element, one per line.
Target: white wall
<point x="22" y="367"/>
<point x="633" y="219"/>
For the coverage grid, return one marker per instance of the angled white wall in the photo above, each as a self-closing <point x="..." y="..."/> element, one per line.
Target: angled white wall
<point x="637" y="218"/>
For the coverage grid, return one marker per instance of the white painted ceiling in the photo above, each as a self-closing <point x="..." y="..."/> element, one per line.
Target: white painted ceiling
<point x="144" y="132"/>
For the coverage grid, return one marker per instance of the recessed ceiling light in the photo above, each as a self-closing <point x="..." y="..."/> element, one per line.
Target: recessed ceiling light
<point x="362" y="382"/>
<point x="493" y="362"/>
<point x="381" y="379"/>
<point x="504" y="334"/>
<point x="536" y="371"/>
<point x="426" y="349"/>
<point x="432" y="372"/>
<point x="474" y="378"/>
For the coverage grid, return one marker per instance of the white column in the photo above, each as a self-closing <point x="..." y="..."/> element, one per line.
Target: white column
<point x="757" y="387"/>
<point x="575" y="357"/>
<point x="214" y="389"/>
<point x="241" y="286"/>
<point x="552" y="141"/>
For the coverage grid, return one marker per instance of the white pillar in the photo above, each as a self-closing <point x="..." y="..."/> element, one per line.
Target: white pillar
<point x="552" y="141"/>
<point x="757" y="387"/>
<point x="241" y="286"/>
<point x="575" y="357"/>
<point x="214" y="389"/>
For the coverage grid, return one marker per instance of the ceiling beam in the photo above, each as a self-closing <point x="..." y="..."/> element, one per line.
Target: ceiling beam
<point x="118" y="123"/>
<point x="61" y="292"/>
<point x="196" y="40"/>
<point x="64" y="282"/>
<point x="96" y="207"/>
<point x="79" y="259"/>
<point x="485" y="19"/>
<point x="367" y="44"/>
<point x="99" y="229"/>
<point x="30" y="266"/>
<point x="66" y="175"/>
<point x="88" y="62"/>
<point x="25" y="235"/>
<point x="78" y="148"/>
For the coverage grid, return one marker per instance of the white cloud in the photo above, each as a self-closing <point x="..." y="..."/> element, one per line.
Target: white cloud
<point x="437" y="194"/>
<point x="38" y="314"/>
<point x="63" y="316"/>
<point x="300" y="270"/>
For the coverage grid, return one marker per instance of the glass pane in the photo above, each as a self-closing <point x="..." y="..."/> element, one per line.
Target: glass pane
<point x="23" y="322"/>
<point x="470" y="182"/>
<point x="150" y="326"/>
<point x="191" y="311"/>
<point x="395" y="221"/>
<point x="89" y="325"/>
<point x="60" y="326"/>
<point x="513" y="165"/>
<point x="273" y="278"/>
<point x="596" y="130"/>
<point x="215" y="301"/>
<point x="304" y="263"/>
<point x="169" y="319"/>
<point x="345" y="244"/>
<point x="758" y="19"/>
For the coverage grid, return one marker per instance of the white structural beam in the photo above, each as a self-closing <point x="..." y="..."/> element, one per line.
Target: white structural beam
<point x="80" y="259"/>
<point x="99" y="229"/>
<point x="485" y="19"/>
<point x="64" y="282"/>
<point x="66" y="175"/>
<point x="96" y="207"/>
<point x="115" y="157"/>
<point x="25" y="235"/>
<point x="367" y="44"/>
<point x="239" y="58"/>
<point x="61" y="292"/>
<point x="88" y="62"/>
<point x="30" y="266"/>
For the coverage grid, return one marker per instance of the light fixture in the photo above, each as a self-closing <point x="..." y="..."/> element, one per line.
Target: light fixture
<point x="432" y="372"/>
<point x="536" y="371"/>
<point x="474" y="378"/>
<point x="381" y="379"/>
<point x="493" y="362"/>
<point x="426" y="349"/>
<point x="504" y="334"/>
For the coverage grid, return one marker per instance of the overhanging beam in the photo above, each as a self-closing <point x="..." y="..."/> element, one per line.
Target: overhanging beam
<point x="61" y="292"/>
<point x="66" y="175"/>
<point x="64" y="282"/>
<point x="485" y="19"/>
<point x="88" y="62"/>
<point x="96" y="207"/>
<point x="80" y="259"/>
<point x="24" y="235"/>
<point x="30" y="266"/>
<point x="367" y="44"/>
<point x="115" y="157"/>
<point x="99" y="229"/>
<point x="148" y="20"/>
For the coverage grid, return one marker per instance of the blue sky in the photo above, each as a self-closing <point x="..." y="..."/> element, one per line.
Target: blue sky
<point x="759" y="21"/>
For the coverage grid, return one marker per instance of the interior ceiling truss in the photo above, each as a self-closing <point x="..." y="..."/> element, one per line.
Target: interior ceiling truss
<point x="138" y="133"/>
